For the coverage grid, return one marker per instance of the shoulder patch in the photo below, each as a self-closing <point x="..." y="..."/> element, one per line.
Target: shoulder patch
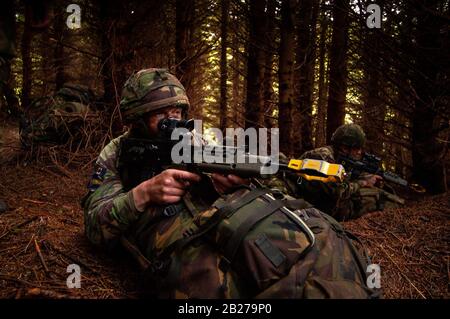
<point x="97" y="177"/>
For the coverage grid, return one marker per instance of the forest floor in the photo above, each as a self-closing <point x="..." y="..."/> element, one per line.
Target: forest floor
<point x="41" y="234"/>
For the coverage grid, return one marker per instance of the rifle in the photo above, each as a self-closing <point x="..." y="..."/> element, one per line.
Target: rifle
<point x="157" y="152"/>
<point x="369" y="164"/>
<point x="246" y="165"/>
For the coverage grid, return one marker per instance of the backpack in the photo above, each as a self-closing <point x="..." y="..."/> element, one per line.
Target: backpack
<point x="253" y="243"/>
<point x="53" y="120"/>
<point x="71" y="92"/>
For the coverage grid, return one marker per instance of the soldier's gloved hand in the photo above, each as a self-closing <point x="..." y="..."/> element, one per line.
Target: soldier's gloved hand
<point x="370" y="180"/>
<point x="223" y="184"/>
<point x="162" y="189"/>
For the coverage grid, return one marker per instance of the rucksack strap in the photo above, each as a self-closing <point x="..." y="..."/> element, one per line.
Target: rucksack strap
<point x="218" y="216"/>
<point x="295" y="204"/>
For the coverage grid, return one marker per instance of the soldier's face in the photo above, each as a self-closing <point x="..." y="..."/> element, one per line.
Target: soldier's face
<point x="154" y="118"/>
<point x="353" y="152"/>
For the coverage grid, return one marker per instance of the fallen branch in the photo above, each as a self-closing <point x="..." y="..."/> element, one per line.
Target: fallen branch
<point x="44" y="293"/>
<point x="76" y="261"/>
<point x="26" y="247"/>
<point x="41" y="257"/>
<point x="34" y="201"/>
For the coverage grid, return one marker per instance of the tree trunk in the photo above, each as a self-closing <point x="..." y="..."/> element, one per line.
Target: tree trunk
<point x="428" y="151"/>
<point x="106" y="13"/>
<point x="185" y="10"/>
<point x="225" y="8"/>
<point x="238" y="67"/>
<point x="116" y="51"/>
<point x="26" y="59"/>
<point x="268" y="70"/>
<point x="46" y="65"/>
<point x="7" y="53"/>
<point x="307" y="19"/>
<point x="374" y="111"/>
<point x="401" y="160"/>
<point x="285" y="74"/>
<point x="59" y="27"/>
<point x="320" y="135"/>
<point x="255" y="66"/>
<point x="338" y="67"/>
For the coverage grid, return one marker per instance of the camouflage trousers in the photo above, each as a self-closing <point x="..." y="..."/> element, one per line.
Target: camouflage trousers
<point x="371" y="199"/>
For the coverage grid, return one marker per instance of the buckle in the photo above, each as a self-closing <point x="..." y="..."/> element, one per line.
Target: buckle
<point x="170" y="210"/>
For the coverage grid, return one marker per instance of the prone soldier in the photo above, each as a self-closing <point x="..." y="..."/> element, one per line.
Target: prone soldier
<point x="358" y="194"/>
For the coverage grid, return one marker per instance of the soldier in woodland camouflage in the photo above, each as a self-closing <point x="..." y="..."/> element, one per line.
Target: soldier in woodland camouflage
<point x="194" y="242"/>
<point x="353" y="197"/>
<point x="148" y="96"/>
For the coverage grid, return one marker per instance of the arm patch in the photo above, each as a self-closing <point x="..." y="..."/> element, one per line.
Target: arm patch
<point x="97" y="177"/>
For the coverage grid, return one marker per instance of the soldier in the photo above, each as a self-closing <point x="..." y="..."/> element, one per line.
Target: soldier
<point x="111" y="207"/>
<point x="353" y="197"/>
<point x="202" y="245"/>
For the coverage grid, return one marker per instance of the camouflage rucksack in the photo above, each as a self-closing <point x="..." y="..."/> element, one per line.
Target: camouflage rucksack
<point x="76" y="93"/>
<point x="55" y="119"/>
<point x="254" y="243"/>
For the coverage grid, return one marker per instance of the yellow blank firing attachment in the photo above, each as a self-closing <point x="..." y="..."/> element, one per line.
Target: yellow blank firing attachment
<point x="312" y="169"/>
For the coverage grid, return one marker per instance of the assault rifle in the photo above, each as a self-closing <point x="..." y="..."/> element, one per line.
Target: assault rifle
<point x="160" y="151"/>
<point x="369" y="164"/>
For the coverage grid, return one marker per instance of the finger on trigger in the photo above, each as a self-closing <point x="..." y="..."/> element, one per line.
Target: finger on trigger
<point x="186" y="176"/>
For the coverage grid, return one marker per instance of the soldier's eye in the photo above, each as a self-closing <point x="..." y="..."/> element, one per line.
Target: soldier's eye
<point x="175" y="112"/>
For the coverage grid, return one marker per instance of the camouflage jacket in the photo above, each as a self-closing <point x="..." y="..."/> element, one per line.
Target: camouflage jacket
<point x="108" y="209"/>
<point x="339" y="195"/>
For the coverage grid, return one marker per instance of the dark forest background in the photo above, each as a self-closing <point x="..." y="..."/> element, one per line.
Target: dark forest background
<point x="303" y="66"/>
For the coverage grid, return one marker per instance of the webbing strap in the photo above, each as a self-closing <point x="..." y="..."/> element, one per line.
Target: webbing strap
<point x="295" y="204"/>
<point x="219" y="215"/>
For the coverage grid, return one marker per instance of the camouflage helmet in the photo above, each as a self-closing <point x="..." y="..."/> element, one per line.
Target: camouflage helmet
<point x="150" y="90"/>
<point x="351" y="135"/>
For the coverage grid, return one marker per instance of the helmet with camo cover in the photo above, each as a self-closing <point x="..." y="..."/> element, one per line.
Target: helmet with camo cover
<point x="149" y="90"/>
<point x="351" y="135"/>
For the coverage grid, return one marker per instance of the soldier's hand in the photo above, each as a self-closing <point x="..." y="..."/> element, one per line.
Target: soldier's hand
<point x="162" y="189"/>
<point x="370" y="180"/>
<point x="224" y="184"/>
